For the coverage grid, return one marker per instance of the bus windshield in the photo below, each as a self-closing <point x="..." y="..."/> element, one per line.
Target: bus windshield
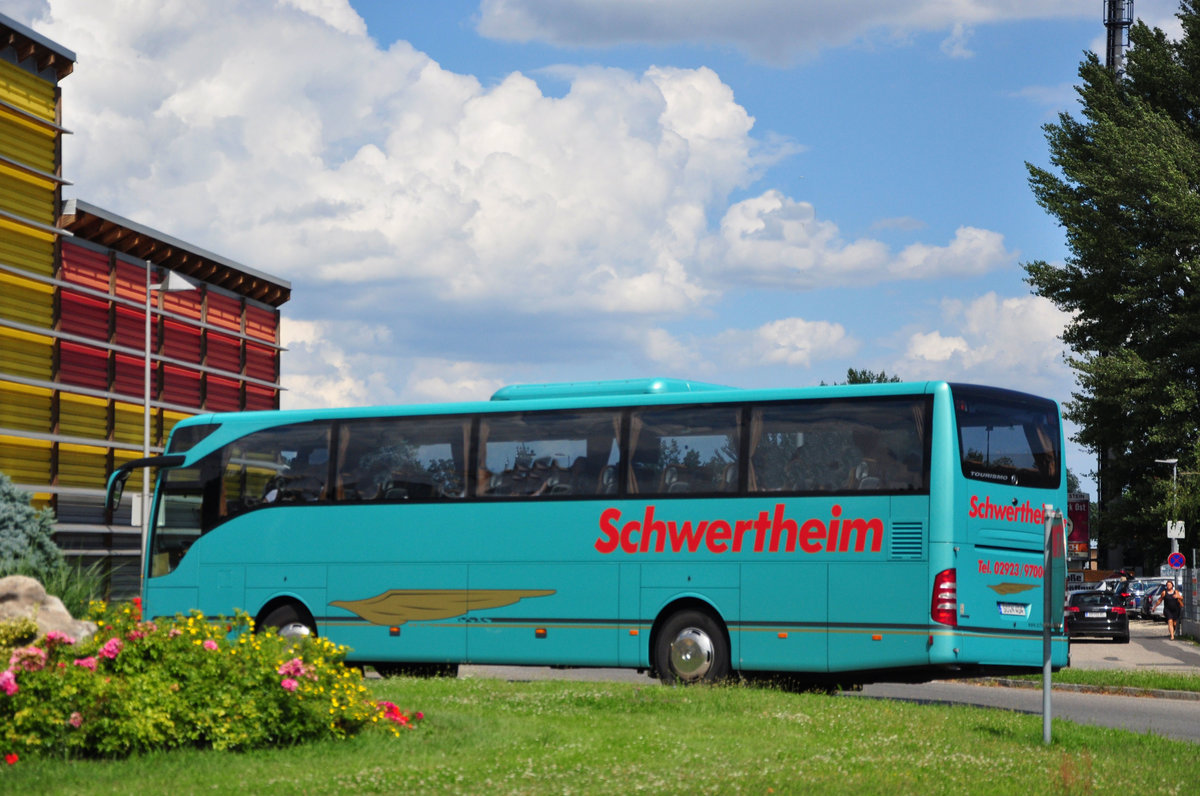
<point x="1008" y="437"/>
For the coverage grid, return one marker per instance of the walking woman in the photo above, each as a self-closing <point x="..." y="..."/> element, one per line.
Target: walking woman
<point x="1172" y="605"/>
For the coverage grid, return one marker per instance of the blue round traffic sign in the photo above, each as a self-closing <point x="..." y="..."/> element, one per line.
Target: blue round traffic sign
<point x="1176" y="561"/>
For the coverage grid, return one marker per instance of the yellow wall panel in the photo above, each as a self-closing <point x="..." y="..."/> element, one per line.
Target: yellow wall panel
<point x="25" y="461"/>
<point x="25" y="301"/>
<point x="26" y="249"/>
<point x="82" y="416"/>
<point x="26" y="354"/>
<point x="25" y="408"/>
<point x="81" y="466"/>
<point x="27" y="142"/>
<point x="128" y="423"/>
<point x="27" y="92"/>
<point x="26" y="195"/>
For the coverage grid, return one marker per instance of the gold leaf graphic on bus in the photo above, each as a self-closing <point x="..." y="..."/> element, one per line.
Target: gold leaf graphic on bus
<point x="397" y="606"/>
<point x="1011" y="588"/>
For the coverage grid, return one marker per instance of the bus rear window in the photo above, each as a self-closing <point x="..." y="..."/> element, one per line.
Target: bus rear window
<point x="1008" y="437"/>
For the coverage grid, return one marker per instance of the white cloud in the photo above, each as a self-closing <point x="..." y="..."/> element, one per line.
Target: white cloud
<point x="1015" y="341"/>
<point x="771" y="239"/>
<point x="955" y="45"/>
<point x="336" y="13"/>
<point x="775" y="31"/>
<point x="320" y="372"/>
<point x="435" y="381"/>
<point x="792" y="342"/>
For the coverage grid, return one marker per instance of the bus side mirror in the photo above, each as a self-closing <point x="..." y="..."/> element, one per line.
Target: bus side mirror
<point x="116" y="487"/>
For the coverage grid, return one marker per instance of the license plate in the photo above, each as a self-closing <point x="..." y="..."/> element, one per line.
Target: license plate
<point x="1094" y="614"/>
<point x="1012" y="609"/>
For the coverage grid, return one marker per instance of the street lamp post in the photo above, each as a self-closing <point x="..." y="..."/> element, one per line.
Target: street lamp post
<point x="1174" y="491"/>
<point x="171" y="282"/>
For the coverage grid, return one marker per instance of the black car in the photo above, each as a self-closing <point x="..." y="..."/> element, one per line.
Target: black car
<point x="1097" y="613"/>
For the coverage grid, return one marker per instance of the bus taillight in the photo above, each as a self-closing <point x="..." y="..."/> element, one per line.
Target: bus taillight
<point x="944" y="608"/>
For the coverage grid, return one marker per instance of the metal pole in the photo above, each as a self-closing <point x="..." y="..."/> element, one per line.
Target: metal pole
<point x="145" y="518"/>
<point x="1174" y="495"/>
<point x="1047" y="616"/>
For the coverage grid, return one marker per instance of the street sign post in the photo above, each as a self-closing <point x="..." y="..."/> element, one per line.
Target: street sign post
<point x="1175" y="529"/>
<point x="1176" y="561"/>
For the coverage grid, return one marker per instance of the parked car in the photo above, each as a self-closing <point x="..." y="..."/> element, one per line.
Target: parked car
<point x="1124" y="590"/>
<point x="1137" y="592"/>
<point x="1097" y="613"/>
<point x="1151" y="608"/>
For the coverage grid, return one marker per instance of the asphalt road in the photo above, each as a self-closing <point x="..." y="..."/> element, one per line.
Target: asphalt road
<point x="1170" y="715"/>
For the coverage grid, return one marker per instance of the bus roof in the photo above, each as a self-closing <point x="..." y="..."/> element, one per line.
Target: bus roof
<point x="593" y="389"/>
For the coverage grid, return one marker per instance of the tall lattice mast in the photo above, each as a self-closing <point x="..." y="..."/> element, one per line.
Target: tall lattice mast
<point x="1118" y="17"/>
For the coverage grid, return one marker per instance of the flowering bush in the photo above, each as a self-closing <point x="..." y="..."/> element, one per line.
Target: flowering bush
<point x="142" y="685"/>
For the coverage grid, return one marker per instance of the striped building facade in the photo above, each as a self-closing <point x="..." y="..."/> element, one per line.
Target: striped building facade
<point x="73" y="342"/>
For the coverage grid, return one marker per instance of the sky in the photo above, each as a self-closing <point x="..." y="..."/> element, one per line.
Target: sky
<point x="472" y="193"/>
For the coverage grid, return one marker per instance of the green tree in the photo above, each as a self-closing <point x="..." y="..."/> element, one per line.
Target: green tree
<point x="865" y="376"/>
<point x="1126" y="190"/>
<point x="26" y="534"/>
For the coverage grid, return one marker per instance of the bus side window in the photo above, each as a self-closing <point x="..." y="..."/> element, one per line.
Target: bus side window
<point x="547" y="454"/>
<point x="402" y="458"/>
<point x="685" y="449"/>
<point x="875" y="445"/>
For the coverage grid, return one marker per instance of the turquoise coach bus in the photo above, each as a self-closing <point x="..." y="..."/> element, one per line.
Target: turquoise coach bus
<point x="844" y="533"/>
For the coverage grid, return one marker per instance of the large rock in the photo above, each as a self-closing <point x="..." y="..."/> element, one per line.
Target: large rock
<point x="24" y="597"/>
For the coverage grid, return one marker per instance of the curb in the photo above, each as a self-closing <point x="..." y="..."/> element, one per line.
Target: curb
<point x="1157" y="693"/>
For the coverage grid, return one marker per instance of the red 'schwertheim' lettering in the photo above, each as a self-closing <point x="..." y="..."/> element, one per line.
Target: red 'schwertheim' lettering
<point x="769" y="531"/>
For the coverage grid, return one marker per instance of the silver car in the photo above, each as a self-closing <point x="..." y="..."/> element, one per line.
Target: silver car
<point x="1151" y="608"/>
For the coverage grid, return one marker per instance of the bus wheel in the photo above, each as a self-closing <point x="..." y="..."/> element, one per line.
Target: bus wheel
<point x="691" y="648"/>
<point x="287" y="621"/>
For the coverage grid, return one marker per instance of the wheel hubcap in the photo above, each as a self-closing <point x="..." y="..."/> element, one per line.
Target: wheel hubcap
<point x="295" y="630"/>
<point x="691" y="654"/>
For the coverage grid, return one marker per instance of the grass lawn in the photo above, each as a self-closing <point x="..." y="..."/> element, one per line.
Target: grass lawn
<point x="554" y="737"/>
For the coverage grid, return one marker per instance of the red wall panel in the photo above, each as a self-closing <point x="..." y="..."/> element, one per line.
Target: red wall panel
<point x="130" y="330"/>
<point x="261" y="362"/>
<point x="84" y="316"/>
<point x="181" y="386"/>
<point x="181" y="341"/>
<point x="261" y="323"/>
<point x="184" y="302"/>
<point x="129" y="377"/>
<point x="223" y="352"/>
<point x="84" y="267"/>
<point x="221" y="395"/>
<point x="260" y="397"/>
<point x="130" y="282"/>
<point x="225" y="311"/>
<point x="83" y="366"/>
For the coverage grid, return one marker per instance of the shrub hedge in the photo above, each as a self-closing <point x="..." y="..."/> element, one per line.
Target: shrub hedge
<point x="138" y="686"/>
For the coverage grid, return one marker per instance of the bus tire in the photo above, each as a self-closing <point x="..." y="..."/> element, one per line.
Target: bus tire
<point x="691" y="648"/>
<point x="287" y="620"/>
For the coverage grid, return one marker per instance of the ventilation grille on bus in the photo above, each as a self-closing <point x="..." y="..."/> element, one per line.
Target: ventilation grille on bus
<point x="908" y="540"/>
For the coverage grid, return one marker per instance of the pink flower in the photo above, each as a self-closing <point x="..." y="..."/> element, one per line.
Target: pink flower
<point x="173" y="632"/>
<point x="88" y="663"/>
<point x="293" y="668"/>
<point x="112" y="648"/>
<point x="31" y="659"/>
<point x="209" y="644"/>
<point x="288" y="684"/>
<point x="58" y="637"/>
<point x="8" y="683"/>
<point x="76" y="720"/>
